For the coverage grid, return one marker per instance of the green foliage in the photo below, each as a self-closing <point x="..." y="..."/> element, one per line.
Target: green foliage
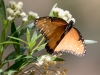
<point x="52" y="13"/>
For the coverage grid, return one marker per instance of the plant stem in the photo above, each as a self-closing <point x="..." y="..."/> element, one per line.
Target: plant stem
<point x="37" y="45"/>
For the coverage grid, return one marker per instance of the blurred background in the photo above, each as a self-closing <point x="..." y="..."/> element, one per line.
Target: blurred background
<point x="87" y="15"/>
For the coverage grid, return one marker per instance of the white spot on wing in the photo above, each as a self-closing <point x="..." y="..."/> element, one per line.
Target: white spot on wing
<point x="77" y="48"/>
<point x="44" y="20"/>
<point x="42" y="24"/>
<point x="46" y="26"/>
<point x="36" y="20"/>
<point x="70" y="46"/>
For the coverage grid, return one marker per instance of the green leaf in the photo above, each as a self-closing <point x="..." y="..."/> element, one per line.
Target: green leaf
<point x="33" y="40"/>
<point x="34" y="36"/>
<point x="15" y="34"/>
<point x="90" y="41"/>
<point x="1" y="70"/>
<point x="21" y="64"/>
<point x="9" y="42"/>
<point x="13" y="55"/>
<point x="10" y="72"/>
<point x="2" y="11"/>
<point x="18" y="57"/>
<point x="24" y="30"/>
<point x="17" y="39"/>
<point x="41" y="47"/>
<point x="32" y="44"/>
<point x="15" y="67"/>
<point x="51" y="13"/>
<point x="28" y="36"/>
<point x="28" y="56"/>
<point x="57" y="59"/>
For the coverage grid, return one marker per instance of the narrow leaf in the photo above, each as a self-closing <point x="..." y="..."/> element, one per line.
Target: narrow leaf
<point x="2" y="11"/>
<point x="57" y="59"/>
<point x="34" y="36"/>
<point x="51" y="13"/>
<point x="15" y="34"/>
<point x="28" y="35"/>
<point x="17" y="39"/>
<point x="90" y="41"/>
<point x="9" y="42"/>
<point x="41" y="47"/>
<point x="13" y="55"/>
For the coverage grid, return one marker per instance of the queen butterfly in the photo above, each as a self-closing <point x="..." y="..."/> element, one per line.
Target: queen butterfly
<point x="61" y="36"/>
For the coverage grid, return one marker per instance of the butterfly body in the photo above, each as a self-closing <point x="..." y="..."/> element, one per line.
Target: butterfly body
<point x="61" y="36"/>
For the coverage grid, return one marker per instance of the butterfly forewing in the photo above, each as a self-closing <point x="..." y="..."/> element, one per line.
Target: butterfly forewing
<point x="55" y="39"/>
<point x="52" y="28"/>
<point x="72" y="43"/>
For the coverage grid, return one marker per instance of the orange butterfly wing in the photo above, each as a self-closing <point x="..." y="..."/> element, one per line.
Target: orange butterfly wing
<point x="52" y="28"/>
<point x="72" y="42"/>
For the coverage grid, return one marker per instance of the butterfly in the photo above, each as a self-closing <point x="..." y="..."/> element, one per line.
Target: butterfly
<point x="61" y="36"/>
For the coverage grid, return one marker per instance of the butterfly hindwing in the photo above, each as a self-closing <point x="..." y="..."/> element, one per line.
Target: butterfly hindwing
<point x="72" y="42"/>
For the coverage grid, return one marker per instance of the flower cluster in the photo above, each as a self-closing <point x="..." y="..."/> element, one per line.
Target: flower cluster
<point x="44" y="59"/>
<point x="44" y="67"/>
<point x="15" y="10"/>
<point x="58" y="12"/>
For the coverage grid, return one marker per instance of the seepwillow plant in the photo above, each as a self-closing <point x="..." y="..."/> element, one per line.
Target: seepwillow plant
<point x="40" y="63"/>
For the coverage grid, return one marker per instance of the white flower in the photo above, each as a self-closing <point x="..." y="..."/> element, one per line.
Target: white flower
<point x="12" y="4"/>
<point x="10" y="11"/>
<point x="56" y="9"/>
<point x="34" y="15"/>
<point x="66" y="12"/>
<point x="73" y="19"/>
<point x="16" y="13"/>
<point x="22" y="14"/>
<point x="10" y="18"/>
<point x="48" y="58"/>
<point x="39" y="63"/>
<point x="65" y="18"/>
<point x="63" y="14"/>
<point x="69" y="16"/>
<point x="19" y="5"/>
<point x="25" y="19"/>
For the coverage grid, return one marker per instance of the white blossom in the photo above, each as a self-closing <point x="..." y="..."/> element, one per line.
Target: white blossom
<point x="25" y="19"/>
<point x="16" y="13"/>
<point x="73" y="19"/>
<point x="22" y="14"/>
<point x="57" y="9"/>
<point x="12" y="4"/>
<point x="10" y="11"/>
<point x="33" y="14"/>
<point x="66" y="12"/>
<point x="48" y="58"/>
<point x="65" y="18"/>
<point x="10" y="18"/>
<point x="63" y="14"/>
<point x="39" y="63"/>
<point x="19" y="5"/>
